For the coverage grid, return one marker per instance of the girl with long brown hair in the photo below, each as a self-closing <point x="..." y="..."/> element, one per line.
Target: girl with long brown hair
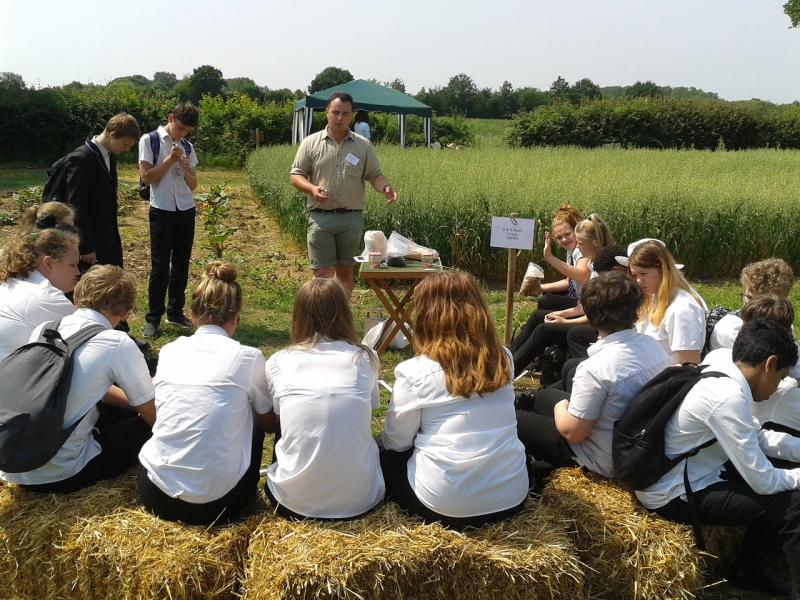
<point x="452" y="452"/>
<point x="324" y="388"/>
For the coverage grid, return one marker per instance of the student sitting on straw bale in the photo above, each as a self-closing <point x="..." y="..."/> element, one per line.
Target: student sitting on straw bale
<point x="673" y="312"/>
<point x="202" y="463"/>
<point x="324" y="389"/>
<point x="781" y="411"/>
<point x="575" y="268"/>
<point x="592" y="235"/>
<point x="573" y="428"/>
<point x="769" y="276"/>
<point x="105" y="442"/>
<point x="762" y="498"/>
<point x="452" y="453"/>
<point x="36" y="269"/>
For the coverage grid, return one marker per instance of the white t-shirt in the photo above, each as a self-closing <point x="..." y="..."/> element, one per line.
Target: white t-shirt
<point x="467" y="460"/>
<point x="682" y="328"/>
<point x="26" y="303"/>
<point x="110" y="357"/>
<point x="720" y="407"/>
<point x="616" y="369"/>
<point x="782" y="407"/>
<point x="171" y="192"/>
<point x="573" y="256"/>
<point x="207" y="386"/>
<point x="328" y="463"/>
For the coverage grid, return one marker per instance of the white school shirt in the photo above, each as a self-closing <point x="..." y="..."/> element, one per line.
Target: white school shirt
<point x="110" y="357"/>
<point x="720" y="407"/>
<point x="727" y="330"/>
<point x="26" y="303"/>
<point x="103" y="152"/>
<point x="616" y="369"/>
<point x="171" y="192"/>
<point x="327" y="460"/>
<point x="682" y="328"/>
<point x="782" y="407"/>
<point x="573" y="256"/>
<point x="467" y="459"/>
<point x="207" y="386"/>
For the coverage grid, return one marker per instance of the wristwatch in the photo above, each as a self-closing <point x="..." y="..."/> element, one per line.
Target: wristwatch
<point x="387" y="188"/>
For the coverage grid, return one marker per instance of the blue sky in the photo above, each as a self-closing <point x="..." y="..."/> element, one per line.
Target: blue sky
<point x="737" y="48"/>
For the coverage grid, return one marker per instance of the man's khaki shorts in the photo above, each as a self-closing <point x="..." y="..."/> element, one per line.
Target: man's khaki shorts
<point x="333" y="238"/>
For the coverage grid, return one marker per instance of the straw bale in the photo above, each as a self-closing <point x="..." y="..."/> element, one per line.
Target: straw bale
<point x="32" y="526"/>
<point x="130" y="554"/>
<point x="389" y="554"/>
<point x="630" y="552"/>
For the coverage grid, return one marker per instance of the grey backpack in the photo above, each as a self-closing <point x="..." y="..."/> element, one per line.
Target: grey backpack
<point x="36" y="380"/>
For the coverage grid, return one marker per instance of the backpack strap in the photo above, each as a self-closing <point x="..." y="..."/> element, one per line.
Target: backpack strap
<point x="697" y="528"/>
<point x="77" y="339"/>
<point x="155" y="145"/>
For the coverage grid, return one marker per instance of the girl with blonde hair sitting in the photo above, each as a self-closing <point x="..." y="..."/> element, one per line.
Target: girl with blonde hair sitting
<point x="202" y="463"/>
<point x="452" y="452"/>
<point x="672" y="312"/>
<point x="36" y="269"/>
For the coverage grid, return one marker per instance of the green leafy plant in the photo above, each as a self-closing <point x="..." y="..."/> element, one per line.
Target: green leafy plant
<point x="27" y="197"/>
<point x="127" y="195"/>
<point x="6" y="218"/>
<point x="214" y="214"/>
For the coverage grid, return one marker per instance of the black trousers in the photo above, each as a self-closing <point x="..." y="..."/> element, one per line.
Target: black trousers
<point x="568" y="372"/>
<point x="579" y="339"/>
<point x="524" y="350"/>
<point x="537" y="429"/>
<point x="221" y="510"/>
<point x="550" y="302"/>
<point x="771" y="521"/>
<point x="399" y="490"/>
<point x="171" y="238"/>
<point x="120" y="436"/>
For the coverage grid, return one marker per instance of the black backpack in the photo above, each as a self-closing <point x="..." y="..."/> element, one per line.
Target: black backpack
<point x="36" y="381"/>
<point x="637" y="446"/>
<point x="55" y="189"/>
<point x="713" y="317"/>
<point x="155" y="146"/>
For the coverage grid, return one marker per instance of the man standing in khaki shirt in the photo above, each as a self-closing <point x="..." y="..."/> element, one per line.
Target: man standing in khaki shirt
<point x="330" y="168"/>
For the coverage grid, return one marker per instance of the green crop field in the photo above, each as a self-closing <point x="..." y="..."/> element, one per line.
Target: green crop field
<point x="715" y="210"/>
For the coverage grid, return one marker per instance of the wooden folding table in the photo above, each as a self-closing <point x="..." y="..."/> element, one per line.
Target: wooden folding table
<point x="398" y="308"/>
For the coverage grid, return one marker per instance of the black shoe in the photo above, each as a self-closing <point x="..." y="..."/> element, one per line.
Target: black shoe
<point x="151" y="330"/>
<point x="179" y="321"/>
<point x="762" y="578"/>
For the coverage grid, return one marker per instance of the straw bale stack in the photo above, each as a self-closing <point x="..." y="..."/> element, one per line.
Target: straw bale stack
<point x="32" y="527"/>
<point x="131" y="554"/>
<point x="391" y="555"/>
<point x="631" y="553"/>
<point x="94" y="544"/>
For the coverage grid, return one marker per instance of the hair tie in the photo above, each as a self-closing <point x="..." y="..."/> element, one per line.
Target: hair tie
<point x="34" y="234"/>
<point x="46" y="222"/>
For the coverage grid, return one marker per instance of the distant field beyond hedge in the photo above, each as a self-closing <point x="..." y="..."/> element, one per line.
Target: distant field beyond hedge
<point x="715" y="210"/>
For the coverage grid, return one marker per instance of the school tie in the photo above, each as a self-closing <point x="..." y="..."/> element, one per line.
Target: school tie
<point x="571" y="291"/>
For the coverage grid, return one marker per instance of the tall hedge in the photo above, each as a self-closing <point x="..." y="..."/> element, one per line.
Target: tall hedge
<point x="659" y="123"/>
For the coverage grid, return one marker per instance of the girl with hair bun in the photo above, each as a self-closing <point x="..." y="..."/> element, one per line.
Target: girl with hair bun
<point x="202" y="464"/>
<point x="324" y="389"/>
<point x="36" y="270"/>
<point x="48" y="215"/>
<point x="672" y="312"/>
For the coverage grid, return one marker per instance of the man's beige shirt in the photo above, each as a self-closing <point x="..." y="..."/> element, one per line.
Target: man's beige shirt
<point x="341" y="169"/>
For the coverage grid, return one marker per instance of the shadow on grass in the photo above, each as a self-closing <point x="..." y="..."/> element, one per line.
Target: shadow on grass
<point x="254" y="334"/>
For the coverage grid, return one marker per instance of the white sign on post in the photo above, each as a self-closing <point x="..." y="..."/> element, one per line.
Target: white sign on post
<point x="510" y="232"/>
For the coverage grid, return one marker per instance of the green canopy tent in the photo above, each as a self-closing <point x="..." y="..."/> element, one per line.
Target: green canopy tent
<point x="367" y="96"/>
